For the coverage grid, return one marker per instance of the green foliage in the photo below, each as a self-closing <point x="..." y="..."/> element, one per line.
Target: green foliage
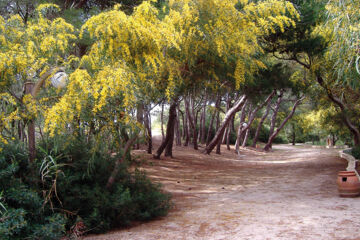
<point x="274" y="76"/>
<point x="264" y="135"/>
<point x="281" y="139"/>
<point x="81" y="189"/>
<point x="22" y="213"/>
<point x="232" y="137"/>
<point x="21" y="196"/>
<point x="299" y="39"/>
<point x="355" y="151"/>
<point x="53" y="228"/>
<point x="14" y="223"/>
<point x="67" y="187"/>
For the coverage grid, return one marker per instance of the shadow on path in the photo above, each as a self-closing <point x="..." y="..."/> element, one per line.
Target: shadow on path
<point x="289" y="193"/>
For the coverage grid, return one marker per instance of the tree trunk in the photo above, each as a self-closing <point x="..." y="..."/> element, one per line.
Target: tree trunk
<point x="276" y="110"/>
<point x="256" y="137"/>
<point x="140" y="119"/>
<point x="200" y="134"/>
<point x="177" y="130"/>
<point x="33" y="89"/>
<point x="24" y="135"/>
<point x="31" y="127"/>
<point x="196" y="124"/>
<point x="147" y="122"/>
<point x="218" y="145"/>
<point x="20" y="131"/>
<point x="116" y="169"/>
<point x="169" y="133"/>
<point x="187" y="133"/>
<point x="333" y="139"/>
<point x="293" y="134"/>
<point x="228" y="104"/>
<point x="217" y="104"/>
<point x="210" y="128"/>
<point x="230" y="127"/>
<point x="253" y="114"/>
<point x="251" y="117"/>
<point x="247" y="133"/>
<point x="183" y="133"/>
<point x="196" y="132"/>
<point x="225" y="122"/>
<point x="162" y="121"/>
<point x="272" y="137"/>
<point x="124" y="134"/>
<point x="223" y="141"/>
<point x="191" y="119"/>
<point x="169" y="146"/>
<point x="353" y="129"/>
<point x="203" y="122"/>
<point x="240" y="128"/>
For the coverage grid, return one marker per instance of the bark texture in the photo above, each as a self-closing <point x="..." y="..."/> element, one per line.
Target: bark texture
<point x="217" y="104"/>
<point x="247" y="128"/>
<point x="177" y="130"/>
<point x="140" y="119"/>
<point x="218" y="144"/>
<point x="272" y="137"/>
<point x="168" y="140"/>
<point x="262" y="120"/>
<point x="187" y="132"/>
<point x="276" y="110"/>
<point x="147" y="123"/>
<point x="240" y="128"/>
<point x="253" y="114"/>
<point x="189" y="106"/>
<point x="203" y="122"/>
<point x="230" y="127"/>
<point x="238" y="104"/>
<point x="162" y="121"/>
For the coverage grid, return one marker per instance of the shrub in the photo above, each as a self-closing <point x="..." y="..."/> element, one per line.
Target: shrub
<point x="33" y="207"/>
<point x="355" y="151"/>
<point x="81" y="189"/>
<point x="280" y="139"/>
<point x="264" y="136"/>
<point x="22" y="212"/>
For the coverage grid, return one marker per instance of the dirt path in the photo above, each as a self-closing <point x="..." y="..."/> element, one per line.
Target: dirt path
<point x="287" y="194"/>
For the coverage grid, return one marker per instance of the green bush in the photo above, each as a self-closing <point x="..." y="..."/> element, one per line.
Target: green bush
<point x="32" y="208"/>
<point x="81" y="189"/>
<point x="264" y="136"/>
<point x="355" y="151"/>
<point x="280" y="139"/>
<point x="264" y="133"/>
<point x="233" y="137"/>
<point x="22" y="212"/>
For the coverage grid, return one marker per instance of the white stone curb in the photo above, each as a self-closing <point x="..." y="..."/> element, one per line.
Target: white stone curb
<point x="351" y="161"/>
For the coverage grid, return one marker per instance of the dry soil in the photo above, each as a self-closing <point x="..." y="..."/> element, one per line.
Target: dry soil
<point x="289" y="193"/>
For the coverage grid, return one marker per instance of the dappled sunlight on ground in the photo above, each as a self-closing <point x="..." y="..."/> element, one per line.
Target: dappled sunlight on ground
<point x="289" y="193"/>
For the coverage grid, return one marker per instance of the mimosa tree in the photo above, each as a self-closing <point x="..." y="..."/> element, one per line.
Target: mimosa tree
<point x="29" y="52"/>
<point x="193" y="41"/>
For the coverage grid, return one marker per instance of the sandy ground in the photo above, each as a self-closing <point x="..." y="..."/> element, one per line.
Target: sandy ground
<point x="289" y="193"/>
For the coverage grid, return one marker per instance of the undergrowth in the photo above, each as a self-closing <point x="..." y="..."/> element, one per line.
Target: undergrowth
<point x="64" y="193"/>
